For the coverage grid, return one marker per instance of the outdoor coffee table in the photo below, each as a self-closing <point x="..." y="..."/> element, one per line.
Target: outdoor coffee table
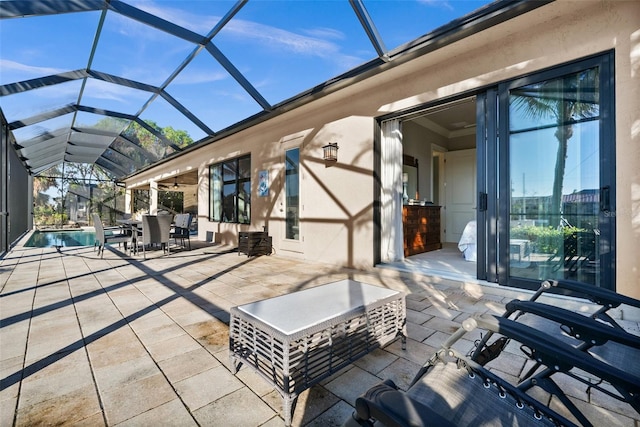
<point x="296" y="340"/>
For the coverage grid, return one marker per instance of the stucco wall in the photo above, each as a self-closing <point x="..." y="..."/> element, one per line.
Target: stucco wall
<point x="336" y="200"/>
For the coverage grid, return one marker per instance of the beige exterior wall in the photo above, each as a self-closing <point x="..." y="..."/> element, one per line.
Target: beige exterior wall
<point x="337" y="208"/>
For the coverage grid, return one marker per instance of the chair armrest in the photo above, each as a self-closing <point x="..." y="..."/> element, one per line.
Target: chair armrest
<point x="581" y="327"/>
<point x="601" y="296"/>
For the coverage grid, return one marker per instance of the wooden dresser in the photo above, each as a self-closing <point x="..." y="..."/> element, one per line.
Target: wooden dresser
<point x="421" y="227"/>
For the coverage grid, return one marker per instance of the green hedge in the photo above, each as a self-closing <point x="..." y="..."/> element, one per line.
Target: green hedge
<point x="545" y="239"/>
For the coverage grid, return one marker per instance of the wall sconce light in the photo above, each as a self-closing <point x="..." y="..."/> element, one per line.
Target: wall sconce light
<point x="330" y="152"/>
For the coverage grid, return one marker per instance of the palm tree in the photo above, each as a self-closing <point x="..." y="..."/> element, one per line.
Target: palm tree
<point x="567" y="101"/>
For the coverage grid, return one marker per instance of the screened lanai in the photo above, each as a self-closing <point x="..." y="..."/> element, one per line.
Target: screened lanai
<point x="92" y="92"/>
<point x="124" y="84"/>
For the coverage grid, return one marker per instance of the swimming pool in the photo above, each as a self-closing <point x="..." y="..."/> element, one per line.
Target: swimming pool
<point x="45" y="239"/>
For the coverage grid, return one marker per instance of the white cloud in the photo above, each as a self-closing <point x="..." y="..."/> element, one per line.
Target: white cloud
<point x="442" y="4"/>
<point x="201" y="24"/>
<point x="281" y="39"/>
<point x="31" y="70"/>
<point x="327" y="33"/>
<point x="98" y="89"/>
<point x="199" y="76"/>
<point x="287" y="41"/>
<point x="315" y="42"/>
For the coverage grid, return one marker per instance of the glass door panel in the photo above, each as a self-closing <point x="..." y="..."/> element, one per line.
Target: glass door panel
<point x="554" y="183"/>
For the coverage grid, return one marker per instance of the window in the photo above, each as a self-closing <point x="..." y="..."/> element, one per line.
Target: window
<point x="230" y="184"/>
<point x="292" y="190"/>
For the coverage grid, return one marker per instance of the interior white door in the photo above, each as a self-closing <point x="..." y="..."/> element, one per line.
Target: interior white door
<point x="460" y="192"/>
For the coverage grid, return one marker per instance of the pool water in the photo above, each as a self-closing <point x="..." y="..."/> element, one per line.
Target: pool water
<point x="45" y="239"/>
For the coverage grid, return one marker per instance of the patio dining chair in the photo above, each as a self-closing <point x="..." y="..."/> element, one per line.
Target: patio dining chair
<point x="155" y="231"/>
<point x="106" y="235"/>
<point x="452" y="389"/>
<point x="182" y="229"/>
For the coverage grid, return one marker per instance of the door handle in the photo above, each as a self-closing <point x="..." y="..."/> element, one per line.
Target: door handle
<point x="482" y="201"/>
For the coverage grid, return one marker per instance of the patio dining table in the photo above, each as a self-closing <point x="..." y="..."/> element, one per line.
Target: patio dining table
<point x="132" y="225"/>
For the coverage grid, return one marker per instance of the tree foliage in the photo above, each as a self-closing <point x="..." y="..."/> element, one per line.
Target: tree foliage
<point x="93" y="185"/>
<point x="565" y="101"/>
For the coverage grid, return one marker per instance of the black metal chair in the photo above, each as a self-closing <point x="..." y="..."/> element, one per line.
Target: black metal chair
<point x="452" y="389"/>
<point x="182" y="229"/>
<point x="597" y="334"/>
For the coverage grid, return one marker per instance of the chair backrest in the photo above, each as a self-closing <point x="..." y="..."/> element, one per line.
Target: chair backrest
<point x="164" y="227"/>
<point x="187" y="220"/>
<point x="182" y="221"/>
<point x="97" y="224"/>
<point x="179" y="219"/>
<point x="156" y="229"/>
<point x="149" y="224"/>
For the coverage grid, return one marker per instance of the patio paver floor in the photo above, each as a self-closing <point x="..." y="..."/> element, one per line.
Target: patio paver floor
<point x="122" y="341"/>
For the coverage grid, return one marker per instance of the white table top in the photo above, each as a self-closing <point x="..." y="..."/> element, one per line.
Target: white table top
<point x="297" y="311"/>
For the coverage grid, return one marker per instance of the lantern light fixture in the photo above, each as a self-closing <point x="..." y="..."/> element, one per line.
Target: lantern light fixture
<point x="330" y="152"/>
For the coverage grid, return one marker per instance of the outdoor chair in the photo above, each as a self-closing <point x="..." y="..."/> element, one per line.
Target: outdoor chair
<point x="578" y="252"/>
<point x="599" y="335"/>
<point x="182" y="229"/>
<point x="452" y="389"/>
<point x="155" y="231"/>
<point x="108" y="235"/>
<point x="603" y="299"/>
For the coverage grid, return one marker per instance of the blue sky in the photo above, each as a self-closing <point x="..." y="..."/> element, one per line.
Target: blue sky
<point x="533" y="159"/>
<point x="281" y="47"/>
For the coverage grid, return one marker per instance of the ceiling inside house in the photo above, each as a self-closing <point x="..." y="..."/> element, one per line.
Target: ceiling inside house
<point x="126" y="84"/>
<point x="450" y="120"/>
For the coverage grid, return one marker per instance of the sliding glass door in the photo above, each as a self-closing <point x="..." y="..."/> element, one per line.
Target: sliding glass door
<point x="556" y="189"/>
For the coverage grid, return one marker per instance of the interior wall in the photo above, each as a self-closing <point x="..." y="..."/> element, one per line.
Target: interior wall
<point x="190" y="200"/>
<point x="416" y="142"/>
